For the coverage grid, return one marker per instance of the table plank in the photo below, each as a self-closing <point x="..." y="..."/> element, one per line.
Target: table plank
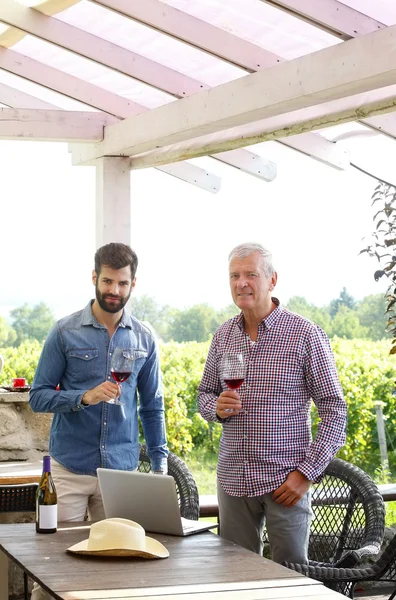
<point x="289" y="593"/>
<point x="187" y="590"/>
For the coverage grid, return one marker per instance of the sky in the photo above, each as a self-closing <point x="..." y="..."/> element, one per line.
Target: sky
<point x="312" y="217"/>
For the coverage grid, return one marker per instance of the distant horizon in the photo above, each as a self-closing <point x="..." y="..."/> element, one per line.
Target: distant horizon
<point x="5" y="310"/>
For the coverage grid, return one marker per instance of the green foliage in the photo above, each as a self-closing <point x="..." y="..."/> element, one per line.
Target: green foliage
<point x="371" y="312"/>
<point x="345" y="318"/>
<point x="346" y="324"/>
<point x="7" y="333"/>
<point x="147" y="309"/>
<point x="20" y="362"/>
<point x="383" y="247"/>
<point x="32" y="323"/>
<point x="317" y="315"/>
<point x="182" y="366"/>
<point x="344" y="300"/>
<point x="193" y="324"/>
<point x="367" y="375"/>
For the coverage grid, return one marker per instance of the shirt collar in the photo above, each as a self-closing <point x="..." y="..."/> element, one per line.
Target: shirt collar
<point x="269" y="321"/>
<point x="89" y="319"/>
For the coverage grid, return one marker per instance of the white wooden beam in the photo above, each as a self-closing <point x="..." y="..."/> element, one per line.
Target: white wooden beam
<point x="270" y="129"/>
<point x="195" y="32"/>
<point x="98" y="49"/>
<point x="331" y="15"/>
<point x="68" y="85"/>
<point x="317" y="147"/>
<point x="250" y="163"/>
<point x="385" y="124"/>
<point x="52" y="125"/>
<point x="14" y="98"/>
<point x="339" y="73"/>
<point x="192" y="174"/>
<point x="113" y="201"/>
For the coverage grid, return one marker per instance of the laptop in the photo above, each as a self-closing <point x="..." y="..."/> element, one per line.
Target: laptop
<point x="150" y="500"/>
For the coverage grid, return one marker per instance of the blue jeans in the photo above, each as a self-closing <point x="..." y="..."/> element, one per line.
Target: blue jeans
<point x="242" y="521"/>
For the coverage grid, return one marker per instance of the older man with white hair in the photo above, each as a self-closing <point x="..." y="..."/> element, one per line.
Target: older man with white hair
<point x="267" y="459"/>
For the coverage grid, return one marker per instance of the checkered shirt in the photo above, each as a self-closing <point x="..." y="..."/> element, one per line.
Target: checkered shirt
<point x="290" y="363"/>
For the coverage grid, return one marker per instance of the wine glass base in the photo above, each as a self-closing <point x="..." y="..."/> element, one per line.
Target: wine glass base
<point x="114" y="401"/>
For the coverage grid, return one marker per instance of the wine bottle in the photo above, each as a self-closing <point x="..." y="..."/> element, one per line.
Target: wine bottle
<point x="46" y="501"/>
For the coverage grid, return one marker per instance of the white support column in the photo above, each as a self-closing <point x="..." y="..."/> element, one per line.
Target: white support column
<point x="113" y="201"/>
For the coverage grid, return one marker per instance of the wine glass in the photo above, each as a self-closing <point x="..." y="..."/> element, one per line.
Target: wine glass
<point x="233" y="369"/>
<point x="121" y="367"/>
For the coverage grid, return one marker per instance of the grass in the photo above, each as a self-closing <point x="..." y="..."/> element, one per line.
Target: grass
<point x="202" y="465"/>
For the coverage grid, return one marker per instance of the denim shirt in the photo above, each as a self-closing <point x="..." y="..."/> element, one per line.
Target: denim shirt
<point x="77" y="356"/>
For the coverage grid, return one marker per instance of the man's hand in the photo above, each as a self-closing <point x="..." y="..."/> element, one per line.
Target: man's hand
<point x="101" y="393"/>
<point x="294" y="488"/>
<point x="228" y="404"/>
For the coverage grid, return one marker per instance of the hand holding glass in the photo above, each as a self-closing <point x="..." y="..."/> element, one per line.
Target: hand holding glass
<point x="121" y="368"/>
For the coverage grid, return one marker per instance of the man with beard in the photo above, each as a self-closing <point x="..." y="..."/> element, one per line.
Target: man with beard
<point x="87" y="431"/>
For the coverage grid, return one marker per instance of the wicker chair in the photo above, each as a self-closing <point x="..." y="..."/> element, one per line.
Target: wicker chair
<point x="187" y="491"/>
<point x="19" y="498"/>
<point x="384" y="570"/>
<point x="348" y="525"/>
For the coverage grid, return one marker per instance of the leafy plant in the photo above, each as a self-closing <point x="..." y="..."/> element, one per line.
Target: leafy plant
<point x="383" y="248"/>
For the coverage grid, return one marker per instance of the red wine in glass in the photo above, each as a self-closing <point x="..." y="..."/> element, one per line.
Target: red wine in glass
<point x="121" y="367"/>
<point x="120" y="376"/>
<point x="233" y="369"/>
<point x="234" y="384"/>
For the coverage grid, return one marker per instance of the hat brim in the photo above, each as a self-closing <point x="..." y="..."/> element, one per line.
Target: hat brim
<point x="154" y="549"/>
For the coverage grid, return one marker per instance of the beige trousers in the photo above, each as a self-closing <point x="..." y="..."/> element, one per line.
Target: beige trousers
<point x="79" y="498"/>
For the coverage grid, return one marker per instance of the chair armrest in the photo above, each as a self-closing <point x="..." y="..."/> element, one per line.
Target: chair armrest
<point x="327" y="572"/>
<point x="340" y="570"/>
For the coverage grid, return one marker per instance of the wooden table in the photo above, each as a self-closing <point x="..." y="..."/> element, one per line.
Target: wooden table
<point x="200" y="567"/>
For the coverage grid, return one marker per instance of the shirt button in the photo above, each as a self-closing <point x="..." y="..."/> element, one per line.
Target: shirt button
<point x="86" y="356"/>
<point x="105" y="423"/>
<point x="103" y="447"/>
<point x="109" y="377"/>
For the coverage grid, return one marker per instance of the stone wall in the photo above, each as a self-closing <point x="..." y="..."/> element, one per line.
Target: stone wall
<point x="24" y="434"/>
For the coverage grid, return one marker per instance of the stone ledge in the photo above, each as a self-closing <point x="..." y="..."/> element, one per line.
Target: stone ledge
<point x="13" y="397"/>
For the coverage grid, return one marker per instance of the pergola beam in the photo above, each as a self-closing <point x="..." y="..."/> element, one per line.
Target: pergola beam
<point x="338" y="72"/>
<point x="52" y="125"/>
<point x="98" y="49"/>
<point x="68" y="85"/>
<point x="192" y="174"/>
<point x="331" y="15"/>
<point x="250" y="163"/>
<point x="194" y="32"/>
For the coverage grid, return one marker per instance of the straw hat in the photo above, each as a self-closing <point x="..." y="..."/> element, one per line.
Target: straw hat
<point x="119" y="537"/>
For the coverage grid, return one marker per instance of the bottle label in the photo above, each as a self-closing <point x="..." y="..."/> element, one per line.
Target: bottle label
<point x="48" y="516"/>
